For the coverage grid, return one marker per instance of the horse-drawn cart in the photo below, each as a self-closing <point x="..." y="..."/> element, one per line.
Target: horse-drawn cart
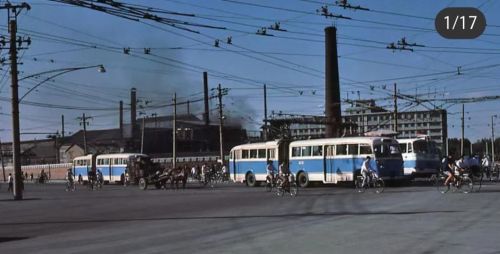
<point x="158" y="180"/>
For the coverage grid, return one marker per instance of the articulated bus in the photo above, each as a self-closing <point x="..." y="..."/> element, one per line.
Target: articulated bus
<point x="421" y="157"/>
<point x="329" y="160"/>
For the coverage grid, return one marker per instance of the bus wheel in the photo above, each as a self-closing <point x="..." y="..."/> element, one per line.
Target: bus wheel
<point x="250" y="180"/>
<point x="302" y="180"/>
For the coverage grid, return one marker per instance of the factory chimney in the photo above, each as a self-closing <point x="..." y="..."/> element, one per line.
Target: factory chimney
<point x="206" y="116"/>
<point x="133" y="106"/>
<point x="332" y="85"/>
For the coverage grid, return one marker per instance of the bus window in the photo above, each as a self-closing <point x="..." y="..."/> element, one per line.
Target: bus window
<point x="262" y="153"/>
<point x="353" y="149"/>
<point x="330" y="150"/>
<point x="306" y="151"/>
<point x="402" y="147"/>
<point x="341" y="150"/>
<point x="420" y="146"/>
<point x="295" y="151"/>
<point x="410" y="148"/>
<point x="116" y="161"/>
<point x="271" y="154"/>
<point x="244" y="154"/>
<point x="317" y="151"/>
<point x="387" y="150"/>
<point x="365" y="149"/>
<point x="253" y="154"/>
<point x="106" y="161"/>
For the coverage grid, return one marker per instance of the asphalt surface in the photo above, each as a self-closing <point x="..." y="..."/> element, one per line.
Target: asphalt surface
<point x="232" y="218"/>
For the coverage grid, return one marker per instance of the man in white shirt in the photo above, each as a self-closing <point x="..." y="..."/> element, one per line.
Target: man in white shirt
<point x="366" y="170"/>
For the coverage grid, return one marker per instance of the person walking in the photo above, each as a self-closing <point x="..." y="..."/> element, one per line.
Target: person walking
<point x="11" y="183"/>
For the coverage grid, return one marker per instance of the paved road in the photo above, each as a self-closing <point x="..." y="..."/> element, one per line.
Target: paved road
<point x="236" y="219"/>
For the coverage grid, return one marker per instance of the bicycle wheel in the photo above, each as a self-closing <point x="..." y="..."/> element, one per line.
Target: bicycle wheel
<point x="378" y="185"/>
<point x="269" y="186"/>
<point x="358" y="184"/>
<point x="467" y="186"/>
<point x="294" y="189"/>
<point x="439" y="184"/>
<point x="279" y="188"/>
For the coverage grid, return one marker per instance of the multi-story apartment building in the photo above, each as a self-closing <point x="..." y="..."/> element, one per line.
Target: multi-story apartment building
<point x="365" y="116"/>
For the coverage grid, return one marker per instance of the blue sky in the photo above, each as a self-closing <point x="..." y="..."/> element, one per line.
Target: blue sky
<point x="291" y="63"/>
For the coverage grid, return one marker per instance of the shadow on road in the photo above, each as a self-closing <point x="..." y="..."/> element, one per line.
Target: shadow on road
<point x="291" y="215"/>
<point x="24" y="199"/>
<point x="13" y="238"/>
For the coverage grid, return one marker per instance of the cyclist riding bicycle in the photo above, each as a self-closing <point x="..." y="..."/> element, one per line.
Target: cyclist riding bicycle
<point x="462" y="164"/>
<point x="366" y="171"/>
<point x="69" y="178"/>
<point x="449" y="171"/>
<point x="99" y="177"/>
<point x="270" y="171"/>
<point x="486" y="164"/>
<point x="283" y="172"/>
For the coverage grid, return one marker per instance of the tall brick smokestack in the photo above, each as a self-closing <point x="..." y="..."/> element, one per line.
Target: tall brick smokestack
<point x="133" y="114"/>
<point x="332" y="85"/>
<point x="206" y="115"/>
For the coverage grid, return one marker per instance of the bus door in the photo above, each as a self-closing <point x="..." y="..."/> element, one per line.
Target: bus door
<point x="329" y="167"/>
<point x="233" y="160"/>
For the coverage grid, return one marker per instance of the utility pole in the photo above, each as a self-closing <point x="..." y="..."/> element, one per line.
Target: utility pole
<point x="395" y="109"/>
<point x="174" y="133"/>
<point x="84" y="123"/>
<point x="487" y="148"/>
<point x="120" y="124"/>
<point x="142" y="134"/>
<point x="13" y="11"/>
<point x="492" y="139"/>
<point x="470" y="151"/>
<point x="447" y="146"/>
<point x="462" y="139"/>
<point x="3" y="164"/>
<point x="221" y="92"/>
<point x="62" y="126"/>
<point x="265" y="113"/>
<point x="58" y="160"/>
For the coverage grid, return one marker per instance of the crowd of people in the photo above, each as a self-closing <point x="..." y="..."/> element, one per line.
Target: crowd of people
<point x="209" y="171"/>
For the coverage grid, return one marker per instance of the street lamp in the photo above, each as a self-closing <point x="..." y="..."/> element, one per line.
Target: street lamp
<point x="59" y="72"/>
<point x="16" y="148"/>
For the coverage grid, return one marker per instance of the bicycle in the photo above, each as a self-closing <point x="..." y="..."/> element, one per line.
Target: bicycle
<point x="374" y="182"/>
<point x="461" y="182"/>
<point x="98" y="184"/>
<point x="70" y="186"/>
<point x="288" y="184"/>
<point x="271" y="182"/>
